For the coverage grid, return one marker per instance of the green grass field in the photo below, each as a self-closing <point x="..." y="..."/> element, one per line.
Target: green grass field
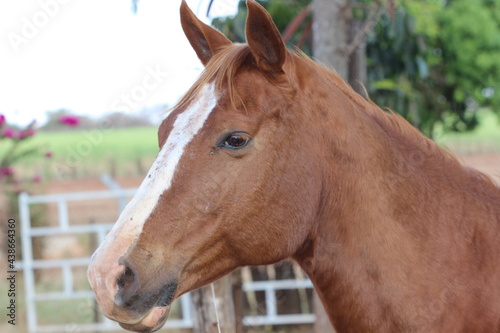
<point x="130" y="151"/>
<point x="86" y="153"/>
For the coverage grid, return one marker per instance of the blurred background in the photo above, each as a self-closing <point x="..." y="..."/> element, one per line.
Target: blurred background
<point x="85" y="84"/>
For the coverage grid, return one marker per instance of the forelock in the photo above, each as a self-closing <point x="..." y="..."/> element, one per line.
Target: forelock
<point x="223" y="68"/>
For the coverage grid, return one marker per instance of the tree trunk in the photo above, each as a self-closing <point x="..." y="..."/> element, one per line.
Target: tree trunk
<point x="357" y="61"/>
<point x="331" y="21"/>
<point x="238" y="300"/>
<point x="204" y="318"/>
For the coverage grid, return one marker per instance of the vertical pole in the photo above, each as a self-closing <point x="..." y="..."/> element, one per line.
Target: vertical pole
<point x="225" y="305"/>
<point x="186" y="307"/>
<point x="29" y="278"/>
<point x="67" y="274"/>
<point x="271" y="305"/>
<point x="331" y="34"/>
<point x="94" y="240"/>
<point x="107" y="180"/>
<point x="62" y="209"/>
<point x="238" y="299"/>
<point x="322" y="324"/>
<point x="204" y="318"/>
<point x="357" y="61"/>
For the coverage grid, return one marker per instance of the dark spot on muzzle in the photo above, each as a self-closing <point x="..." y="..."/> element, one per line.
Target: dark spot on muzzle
<point x="167" y="294"/>
<point x="142" y="301"/>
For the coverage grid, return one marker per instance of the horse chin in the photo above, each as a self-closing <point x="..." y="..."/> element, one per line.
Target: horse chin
<point x="153" y="321"/>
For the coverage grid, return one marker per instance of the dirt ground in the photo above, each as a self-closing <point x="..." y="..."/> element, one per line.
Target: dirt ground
<point x="105" y="211"/>
<point x="489" y="164"/>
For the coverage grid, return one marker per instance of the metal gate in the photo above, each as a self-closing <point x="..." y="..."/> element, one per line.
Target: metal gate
<point x="68" y="292"/>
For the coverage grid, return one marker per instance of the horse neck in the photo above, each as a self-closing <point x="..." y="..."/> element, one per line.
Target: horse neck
<point x="380" y="215"/>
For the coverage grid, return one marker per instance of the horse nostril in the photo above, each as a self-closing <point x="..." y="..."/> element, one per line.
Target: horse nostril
<point x="128" y="284"/>
<point x="125" y="279"/>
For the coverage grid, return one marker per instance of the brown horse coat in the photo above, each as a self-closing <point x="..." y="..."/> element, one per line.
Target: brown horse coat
<point x="269" y="156"/>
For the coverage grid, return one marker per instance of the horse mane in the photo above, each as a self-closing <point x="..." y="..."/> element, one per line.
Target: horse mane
<point x="225" y="64"/>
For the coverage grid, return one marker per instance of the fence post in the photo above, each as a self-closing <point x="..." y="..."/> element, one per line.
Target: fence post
<point x="107" y="180"/>
<point x="27" y="251"/>
<point x="238" y="300"/>
<point x="204" y="318"/>
<point x="322" y="324"/>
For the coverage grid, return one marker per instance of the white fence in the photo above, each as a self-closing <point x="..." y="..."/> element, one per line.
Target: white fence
<point x="68" y="292"/>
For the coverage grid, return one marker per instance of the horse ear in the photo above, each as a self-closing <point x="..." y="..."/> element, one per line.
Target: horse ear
<point x="205" y="40"/>
<point x="264" y="38"/>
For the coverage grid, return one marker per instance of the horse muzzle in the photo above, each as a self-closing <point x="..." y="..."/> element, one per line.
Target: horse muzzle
<point x="127" y="298"/>
<point x="152" y="322"/>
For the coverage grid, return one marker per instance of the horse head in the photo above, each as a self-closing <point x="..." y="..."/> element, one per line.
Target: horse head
<point x="236" y="181"/>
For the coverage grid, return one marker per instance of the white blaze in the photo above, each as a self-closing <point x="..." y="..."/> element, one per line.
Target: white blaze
<point x="159" y="178"/>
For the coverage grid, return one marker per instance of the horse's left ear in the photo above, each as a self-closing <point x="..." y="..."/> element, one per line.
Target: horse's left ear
<point x="264" y="38"/>
<point x="205" y="40"/>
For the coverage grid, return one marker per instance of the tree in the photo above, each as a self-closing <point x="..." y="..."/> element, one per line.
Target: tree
<point x="466" y="52"/>
<point x="397" y="68"/>
<point x="282" y="11"/>
<point x="437" y="60"/>
<point x="331" y="31"/>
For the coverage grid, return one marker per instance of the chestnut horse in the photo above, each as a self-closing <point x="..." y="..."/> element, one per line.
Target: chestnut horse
<point x="270" y="156"/>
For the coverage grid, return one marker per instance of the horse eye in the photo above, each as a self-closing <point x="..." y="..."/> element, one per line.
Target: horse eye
<point x="236" y="141"/>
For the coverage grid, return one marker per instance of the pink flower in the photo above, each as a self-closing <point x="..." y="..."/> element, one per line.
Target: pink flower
<point x="6" y="171"/>
<point x="2" y="120"/>
<point x="71" y="121"/>
<point x="37" y="178"/>
<point x="48" y="154"/>
<point x="26" y="133"/>
<point x="9" y="133"/>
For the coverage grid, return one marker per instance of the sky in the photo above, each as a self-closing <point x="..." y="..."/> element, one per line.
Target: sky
<point x="93" y="57"/>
